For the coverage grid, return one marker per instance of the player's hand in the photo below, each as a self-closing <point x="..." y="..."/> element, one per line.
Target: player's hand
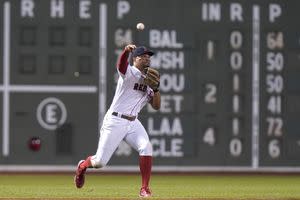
<point x="130" y="47"/>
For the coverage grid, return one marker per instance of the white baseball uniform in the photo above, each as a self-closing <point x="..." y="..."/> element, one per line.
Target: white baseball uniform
<point x="130" y="97"/>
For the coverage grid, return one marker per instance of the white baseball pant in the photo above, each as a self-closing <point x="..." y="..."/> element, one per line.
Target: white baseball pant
<point x="113" y="131"/>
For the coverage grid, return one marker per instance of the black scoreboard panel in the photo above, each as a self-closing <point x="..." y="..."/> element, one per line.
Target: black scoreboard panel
<point x="60" y="145"/>
<point x="229" y="79"/>
<point x="279" y="90"/>
<point x="1" y="41"/>
<point x="216" y="105"/>
<point x="203" y="121"/>
<point x="226" y="81"/>
<point x="50" y="47"/>
<point x="53" y="79"/>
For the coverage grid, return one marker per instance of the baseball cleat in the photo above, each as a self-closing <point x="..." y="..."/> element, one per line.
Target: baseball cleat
<point x="79" y="177"/>
<point x="145" y="192"/>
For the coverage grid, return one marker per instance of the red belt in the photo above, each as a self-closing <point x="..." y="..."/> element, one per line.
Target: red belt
<point x="130" y="118"/>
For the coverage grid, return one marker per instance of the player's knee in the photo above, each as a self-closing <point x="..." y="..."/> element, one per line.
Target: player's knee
<point x="98" y="162"/>
<point x="146" y="149"/>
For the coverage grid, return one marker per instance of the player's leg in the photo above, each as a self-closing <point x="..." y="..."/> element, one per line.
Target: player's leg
<point x="110" y="139"/>
<point x="106" y="146"/>
<point x="138" y="138"/>
<point x="111" y="134"/>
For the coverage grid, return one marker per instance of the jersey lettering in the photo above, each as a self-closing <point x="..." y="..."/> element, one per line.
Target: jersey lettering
<point x="140" y="87"/>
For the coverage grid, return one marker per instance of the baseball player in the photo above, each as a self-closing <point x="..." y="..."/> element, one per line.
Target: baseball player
<point x="137" y="85"/>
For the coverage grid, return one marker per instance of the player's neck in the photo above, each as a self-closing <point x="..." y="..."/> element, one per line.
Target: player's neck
<point x="139" y="67"/>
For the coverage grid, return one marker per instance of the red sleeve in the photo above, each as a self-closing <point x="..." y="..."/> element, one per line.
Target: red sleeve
<point x="123" y="62"/>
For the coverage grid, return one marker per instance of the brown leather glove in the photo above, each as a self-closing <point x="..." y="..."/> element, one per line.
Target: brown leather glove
<point x="152" y="78"/>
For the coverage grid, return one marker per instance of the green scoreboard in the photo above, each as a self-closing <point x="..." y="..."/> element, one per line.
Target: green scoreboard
<point x="230" y="81"/>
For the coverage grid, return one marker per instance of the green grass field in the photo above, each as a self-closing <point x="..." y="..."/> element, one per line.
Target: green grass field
<point x="163" y="186"/>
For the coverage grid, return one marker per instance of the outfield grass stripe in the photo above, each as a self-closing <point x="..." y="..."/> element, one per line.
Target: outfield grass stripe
<point x="163" y="187"/>
<point x="154" y="198"/>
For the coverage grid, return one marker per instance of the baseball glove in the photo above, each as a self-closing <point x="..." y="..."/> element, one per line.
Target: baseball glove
<point x="151" y="78"/>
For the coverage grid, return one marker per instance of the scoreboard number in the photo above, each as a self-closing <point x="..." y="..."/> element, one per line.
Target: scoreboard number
<point x="275" y="61"/>
<point x="235" y="147"/>
<point x="122" y="37"/>
<point x="275" y="40"/>
<point x="236" y="60"/>
<point x="274" y="149"/>
<point x="274" y="104"/>
<point x="236" y="39"/>
<point x="211" y="91"/>
<point x="209" y="136"/>
<point x="274" y="126"/>
<point x="274" y="83"/>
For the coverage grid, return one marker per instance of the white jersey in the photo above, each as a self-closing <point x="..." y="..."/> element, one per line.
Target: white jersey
<point x="131" y="94"/>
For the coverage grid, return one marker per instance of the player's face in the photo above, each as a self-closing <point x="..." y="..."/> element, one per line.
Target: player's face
<point x="143" y="60"/>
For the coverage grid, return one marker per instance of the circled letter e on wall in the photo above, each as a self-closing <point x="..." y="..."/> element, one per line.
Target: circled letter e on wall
<point x="51" y="113"/>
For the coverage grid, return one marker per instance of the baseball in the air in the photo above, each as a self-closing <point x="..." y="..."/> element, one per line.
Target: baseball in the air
<point x="140" y="26"/>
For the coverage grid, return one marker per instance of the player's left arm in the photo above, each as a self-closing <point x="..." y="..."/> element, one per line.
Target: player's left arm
<point x="155" y="101"/>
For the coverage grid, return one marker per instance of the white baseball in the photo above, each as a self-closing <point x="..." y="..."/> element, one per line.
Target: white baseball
<point x="140" y="26"/>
